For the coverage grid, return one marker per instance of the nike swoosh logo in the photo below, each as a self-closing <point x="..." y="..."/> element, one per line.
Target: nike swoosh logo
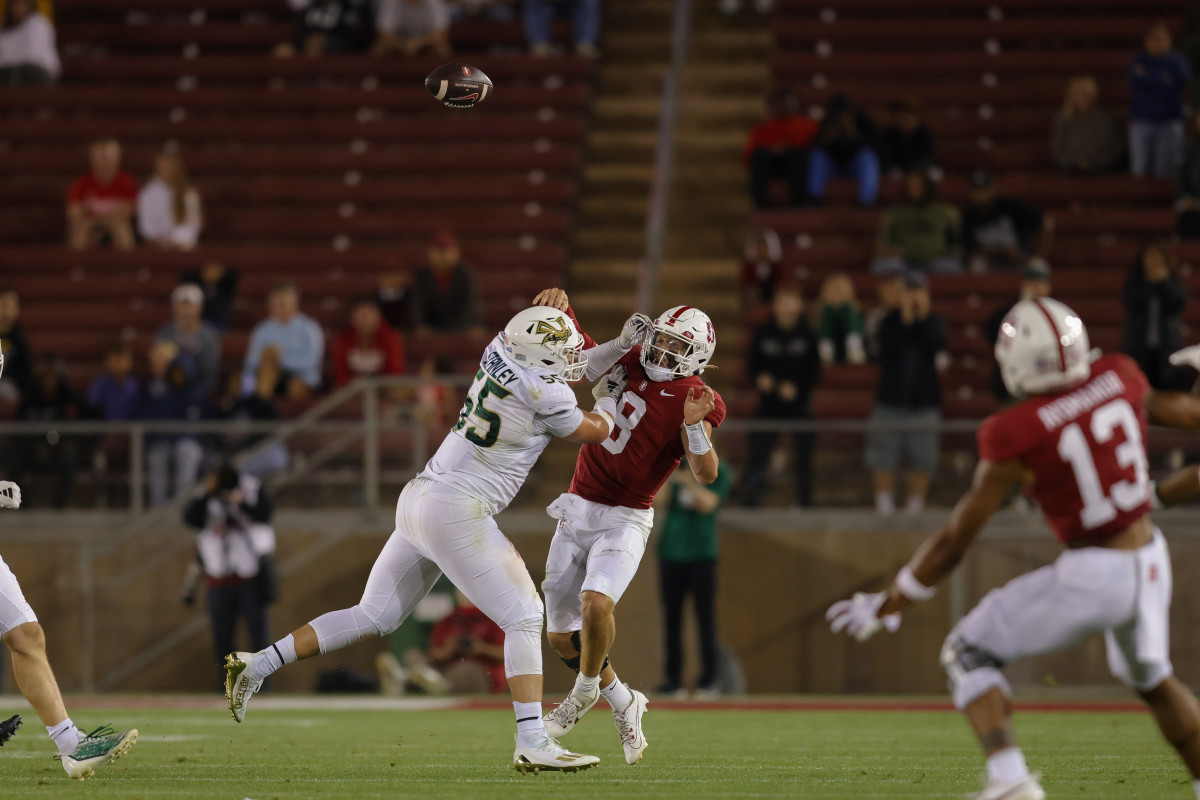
<point x="665" y="393"/>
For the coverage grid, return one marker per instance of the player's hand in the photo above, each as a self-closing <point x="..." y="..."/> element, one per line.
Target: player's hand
<point x="1187" y="357"/>
<point x="697" y="407"/>
<point x="635" y="331"/>
<point x="10" y="495"/>
<point x="611" y="384"/>
<point x="859" y="616"/>
<point x="555" y="298"/>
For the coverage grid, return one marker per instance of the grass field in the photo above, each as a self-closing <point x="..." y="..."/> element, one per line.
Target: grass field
<point x="196" y="751"/>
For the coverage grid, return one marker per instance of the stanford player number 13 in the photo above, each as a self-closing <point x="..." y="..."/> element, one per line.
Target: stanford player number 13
<point x="1100" y="508"/>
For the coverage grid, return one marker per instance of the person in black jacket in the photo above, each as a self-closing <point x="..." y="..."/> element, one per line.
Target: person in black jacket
<point x="219" y="284"/>
<point x="18" y="356"/>
<point x="844" y="146"/>
<point x="235" y="547"/>
<point x="908" y="407"/>
<point x="49" y="399"/>
<point x="785" y="365"/>
<point x="1154" y="299"/>
<point x="907" y="144"/>
<point x="1035" y="282"/>
<point x="999" y="232"/>
<point x="444" y="297"/>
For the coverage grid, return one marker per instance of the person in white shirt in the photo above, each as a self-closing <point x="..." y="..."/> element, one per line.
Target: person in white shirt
<point x="168" y="206"/>
<point x="410" y="27"/>
<point x="28" y="55"/>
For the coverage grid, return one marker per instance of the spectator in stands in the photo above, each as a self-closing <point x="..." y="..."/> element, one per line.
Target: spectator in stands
<point x="391" y="293"/>
<point x="295" y="340"/>
<point x="168" y="206"/>
<point x="49" y="399"/>
<point x="889" y="291"/>
<point x="841" y="326"/>
<point x="1158" y="77"/>
<point x="468" y="650"/>
<point x="999" y="232"/>
<point x="18" y="356"/>
<point x="28" y="55"/>
<point x="197" y="341"/>
<point x="1187" y="187"/>
<point x="257" y="406"/>
<point x="489" y="10"/>
<point x="412" y="27"/>
<point x="909" y="396"/>
<point x="687" y="564"/>
<point x="100" y="204"/>
<point x="785" y="366"/>
<point x="844" y="145"/>
<point x="1085" y="137"/>
<point x="907" y="144"/>
<point x="1035" y="283"/>
<point x="330" y="26"/>
<point x="585" y="24"/>
<point x="116" y="393"/>
<point x="919" y="232"/>
<point x="762" y="265"/>
<point x="1154" y="298"/>
<point x="777" y="149"/>
<point x="367" y="346"/>
<point x="219" y="284"/>
<point x="445" y="293"/>
<point x="1188" y="45"/>
<point x="169" y="396"/>
<point x="436" y="401"/>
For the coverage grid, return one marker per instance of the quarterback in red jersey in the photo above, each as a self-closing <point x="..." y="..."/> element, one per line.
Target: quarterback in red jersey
<point x="665" y="413"/>
<point x="1080" y="430"/>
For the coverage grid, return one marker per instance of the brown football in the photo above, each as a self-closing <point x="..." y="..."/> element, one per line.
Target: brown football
<point x="459" y="85"/>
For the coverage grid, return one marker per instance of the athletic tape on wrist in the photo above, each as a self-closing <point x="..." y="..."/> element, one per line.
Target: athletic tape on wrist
<point x="607" y="408"/>
<point x="1156" y="503"/>
<point x="912" y="588"/>
<point x="698" y="441"/>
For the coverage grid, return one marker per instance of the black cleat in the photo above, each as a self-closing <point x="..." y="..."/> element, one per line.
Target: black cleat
<point x="9" y="727"/>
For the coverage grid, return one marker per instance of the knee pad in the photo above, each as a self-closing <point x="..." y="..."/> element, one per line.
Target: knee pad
<point x="523" y="647"/>
<point x="573" y="662"/>
<point x="972" y="672"/>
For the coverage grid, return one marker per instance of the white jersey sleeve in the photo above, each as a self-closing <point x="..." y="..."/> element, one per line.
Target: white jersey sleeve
<point x="507" y="419"/>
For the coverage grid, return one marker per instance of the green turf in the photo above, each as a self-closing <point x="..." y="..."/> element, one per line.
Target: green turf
<point x="693" y="754"/>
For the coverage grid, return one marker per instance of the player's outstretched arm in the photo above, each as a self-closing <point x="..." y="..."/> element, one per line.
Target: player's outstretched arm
<point x="1178" y="488"/>
<point x="1173" y="409"/>
<point x="10" y="495"/>
<point x="697" y="435"/>
<point x="601" y="357"/>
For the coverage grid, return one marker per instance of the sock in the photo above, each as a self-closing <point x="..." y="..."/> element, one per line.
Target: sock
<point x="530" y="728"/>
<point x="1007" y="765"/>
<point x="617" y="694"/>
<point x="65" y="735"/>
<point x="1196" y="786"/>
<point x="885" y="504"/>
<point x="915" y="505"/>
<point x="277" y="655"/>
<point x="586" y="685"/>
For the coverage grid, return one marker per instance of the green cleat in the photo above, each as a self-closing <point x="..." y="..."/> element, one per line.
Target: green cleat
<point x="97" y="749"/>
<point x="9" y="727"/>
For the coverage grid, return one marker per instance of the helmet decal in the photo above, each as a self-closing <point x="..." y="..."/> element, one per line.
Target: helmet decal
<point x="560" y="334"/>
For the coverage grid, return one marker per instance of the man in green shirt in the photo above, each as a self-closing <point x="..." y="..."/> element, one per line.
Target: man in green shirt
<point x="919" y="232"/>
<point x="687" y="559"/>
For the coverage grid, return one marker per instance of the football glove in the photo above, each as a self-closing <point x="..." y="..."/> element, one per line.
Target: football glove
<point x="634" y="331"/>
<point x="1187" y="357"/>
<point x="859" y="616"/>
<point x="10" y="495"/>
<point x="611" y="385"/>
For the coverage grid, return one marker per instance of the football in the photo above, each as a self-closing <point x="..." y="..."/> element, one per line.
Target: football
<point x="459" y="85"/>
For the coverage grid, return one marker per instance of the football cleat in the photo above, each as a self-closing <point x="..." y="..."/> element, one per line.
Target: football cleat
<point x="97" y="749"/>
<point x="8" y="728"/>
<point x="240" y="685"/>
<point x="629" y="726"/>
<point x="564" y="716"/>
<point x="1026" y="788"/>
<point x="550" y="756"/>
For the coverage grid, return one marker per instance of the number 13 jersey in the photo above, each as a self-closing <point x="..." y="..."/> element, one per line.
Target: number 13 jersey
<point x="506" y="422"/>
<point x="1086" y="449"/>
<point x="630" y="466"/>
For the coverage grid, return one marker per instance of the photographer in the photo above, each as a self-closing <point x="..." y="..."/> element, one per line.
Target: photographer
<point x="235" y="552"/>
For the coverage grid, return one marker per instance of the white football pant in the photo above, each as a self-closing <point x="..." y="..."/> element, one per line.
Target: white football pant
<point x="14" y="610"/>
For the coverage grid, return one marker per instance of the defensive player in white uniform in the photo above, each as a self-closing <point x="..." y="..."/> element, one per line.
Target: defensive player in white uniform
<point x="79" y="753"/>
<point x="519" y="400"/>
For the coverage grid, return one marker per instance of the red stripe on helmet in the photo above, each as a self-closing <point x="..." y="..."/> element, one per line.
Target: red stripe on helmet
<point x="679" y="313"/>
<point x="1062" y="353"/>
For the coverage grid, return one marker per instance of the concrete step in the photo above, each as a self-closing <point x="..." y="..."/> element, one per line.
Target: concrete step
<point x="602" y="241"/>
<point x="730" y="44"/>
<point x="610" y="307"/>
<point x="617" y="177"/>
<point x="631" y="79"/>
<point x="638" y="111"/>
<point x="613" y="210"/>
<point x="604" y="275"/>
<point x="637" y="47"/>
<point x="741" y="78"/>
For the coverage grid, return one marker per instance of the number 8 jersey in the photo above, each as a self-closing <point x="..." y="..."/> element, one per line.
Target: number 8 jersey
<point x="506" y="422"/>
<point x="1086" y="450"/>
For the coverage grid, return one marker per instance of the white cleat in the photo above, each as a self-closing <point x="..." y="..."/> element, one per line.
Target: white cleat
<point x="97" y="749"/>
<point x="629" y="725"/>
<point x="550" y="756"/>
<point x="563" y="717"/>
<point x="240" y="685"/>
<point x="1026" y="788"/>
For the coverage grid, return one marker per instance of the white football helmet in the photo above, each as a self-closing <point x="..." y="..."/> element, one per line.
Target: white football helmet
<point x="1043" y="348"/>
<point x="680" y="345"/>
<point x="545" y="338"/>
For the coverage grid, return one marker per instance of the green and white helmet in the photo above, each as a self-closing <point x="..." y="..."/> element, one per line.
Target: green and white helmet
<point x="542" y="337"/>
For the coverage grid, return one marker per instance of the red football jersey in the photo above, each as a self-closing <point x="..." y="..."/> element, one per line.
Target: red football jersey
<point x="645" y="447"/>
<point x="1086" y="449"/>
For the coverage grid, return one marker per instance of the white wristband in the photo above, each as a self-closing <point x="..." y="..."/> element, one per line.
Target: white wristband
<point x="1156" y="503"/>
<point x="607" y="408"/>
<point x="698" y="441"/>
<point x="912" y="588"/>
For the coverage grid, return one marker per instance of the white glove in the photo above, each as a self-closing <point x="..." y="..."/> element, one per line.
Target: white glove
<point x="1187" y="357"/>
<point x="10" y="495"/>
<point x="610" y="385"/>
<point x="859" y="616"/>
<point x="634" y="331"/>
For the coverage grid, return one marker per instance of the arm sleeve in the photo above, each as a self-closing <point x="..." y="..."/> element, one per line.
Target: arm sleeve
<point x="588" y="341"/>
<point x="557" y="411"/>
<point x="601" y="359"/>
